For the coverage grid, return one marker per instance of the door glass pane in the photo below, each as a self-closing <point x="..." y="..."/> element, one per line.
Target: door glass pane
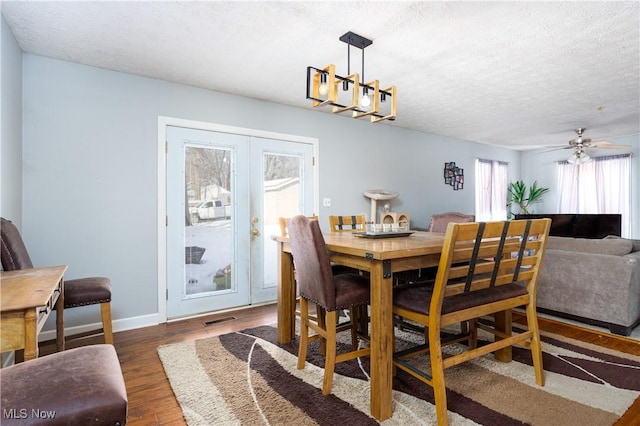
<point x="281" y="198"/>
<point x="208" y="243"/>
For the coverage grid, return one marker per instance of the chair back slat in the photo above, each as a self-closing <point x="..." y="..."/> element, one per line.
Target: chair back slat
<point x="347" y="223"/>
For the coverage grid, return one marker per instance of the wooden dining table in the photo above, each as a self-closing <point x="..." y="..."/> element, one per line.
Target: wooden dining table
<point x="27" y="297"/>
<point x="381" y="257"/>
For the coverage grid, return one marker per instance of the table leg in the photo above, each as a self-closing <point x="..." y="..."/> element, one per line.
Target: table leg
<point x="30" y="334"/>
<point x="60" y="318"/>
<point x="381" y="342"/>
<point x="286" y="297"/>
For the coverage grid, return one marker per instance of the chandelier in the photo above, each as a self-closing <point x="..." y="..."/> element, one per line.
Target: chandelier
<point x="351" y="93"/>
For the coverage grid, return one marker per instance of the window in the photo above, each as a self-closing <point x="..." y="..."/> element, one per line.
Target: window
<point x="600" y="186"/>
<point x="491" y="190"/>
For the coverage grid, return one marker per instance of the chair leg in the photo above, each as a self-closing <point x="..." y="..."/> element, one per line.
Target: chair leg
<point x="321" y="313"/>
<point x="304" y="332"/>
<point x="472" y="330"/>
<point x="437" y="371"/>
<point x="363" y="319"/>
<point x="354" y="317"/>
<point x="105" y="313"/>
<point x="330" y="357"/>
<point x="535" y="346"/>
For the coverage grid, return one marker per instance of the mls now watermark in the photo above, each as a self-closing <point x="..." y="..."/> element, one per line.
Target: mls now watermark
<point x="24" y="413"/>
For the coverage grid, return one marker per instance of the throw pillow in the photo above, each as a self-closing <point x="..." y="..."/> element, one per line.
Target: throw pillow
<point x="635" y="243"/>
<point x="616" y="247"/>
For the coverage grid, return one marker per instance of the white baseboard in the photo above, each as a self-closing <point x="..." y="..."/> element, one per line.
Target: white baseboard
<point x="118" y="325"/>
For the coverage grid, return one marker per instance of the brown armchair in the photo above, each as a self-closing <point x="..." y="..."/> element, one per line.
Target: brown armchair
<point x="78" y="292"/>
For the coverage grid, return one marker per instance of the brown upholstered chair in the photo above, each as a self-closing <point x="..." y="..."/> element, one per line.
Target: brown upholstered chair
<point x="485" y="269"/>
<point x="347" y="223"/>
<point x="439" y="222"/>
<point x="283" y="224"/>
<point x="81" y="386"/>
<point x="319" y="285"/>
<point x="77" y="292"/>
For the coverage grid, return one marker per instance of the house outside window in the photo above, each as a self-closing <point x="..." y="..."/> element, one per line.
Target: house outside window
<point x="599" y="186"/>
<point x="492" y="180"/>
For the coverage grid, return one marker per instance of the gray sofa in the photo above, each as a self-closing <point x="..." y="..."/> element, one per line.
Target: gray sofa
<point x="596" y="281"/>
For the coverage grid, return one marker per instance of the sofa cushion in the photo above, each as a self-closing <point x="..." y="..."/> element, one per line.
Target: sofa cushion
<point x="635" y="243"/>
<point x="616" y="247"/>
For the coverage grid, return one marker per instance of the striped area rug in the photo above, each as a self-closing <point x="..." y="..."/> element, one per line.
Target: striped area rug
<point x="245" y="378"/>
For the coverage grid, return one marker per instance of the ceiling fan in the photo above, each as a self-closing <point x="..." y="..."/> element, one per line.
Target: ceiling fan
<point x="581" y="143"/>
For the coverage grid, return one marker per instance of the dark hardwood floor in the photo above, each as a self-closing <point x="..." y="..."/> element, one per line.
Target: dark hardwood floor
<point x="151" y="400"/>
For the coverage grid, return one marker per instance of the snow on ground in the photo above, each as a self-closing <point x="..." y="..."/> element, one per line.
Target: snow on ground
<point x="215" y="237"/>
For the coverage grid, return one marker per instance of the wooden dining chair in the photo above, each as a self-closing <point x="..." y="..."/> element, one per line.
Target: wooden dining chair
<point x="347" y="223"/>
<point x="485" y="269"/>
<point x="77" y="292"/>
<point x="319" y="285"/>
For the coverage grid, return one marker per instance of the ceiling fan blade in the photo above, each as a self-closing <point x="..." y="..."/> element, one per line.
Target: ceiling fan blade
<point x="612" y="146"/>
<point x="557" y="148"/>
<point x="600" y="144"/>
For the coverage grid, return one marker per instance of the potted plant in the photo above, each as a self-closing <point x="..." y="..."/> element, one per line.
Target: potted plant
<point x="524" y="197"/>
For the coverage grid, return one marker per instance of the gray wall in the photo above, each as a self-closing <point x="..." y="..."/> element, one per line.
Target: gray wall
<point x="541" y="164"/>
<point x="11" y="125"/>
<point x="90" y="174"/>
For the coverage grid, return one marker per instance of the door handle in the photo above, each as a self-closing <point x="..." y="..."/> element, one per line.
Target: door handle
<point x="255" y="232"/>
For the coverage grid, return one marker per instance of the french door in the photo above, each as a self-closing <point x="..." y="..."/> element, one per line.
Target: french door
<point x="225" y="193"/>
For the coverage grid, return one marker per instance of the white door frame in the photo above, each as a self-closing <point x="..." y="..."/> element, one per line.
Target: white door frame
<point x="163" y="122"/>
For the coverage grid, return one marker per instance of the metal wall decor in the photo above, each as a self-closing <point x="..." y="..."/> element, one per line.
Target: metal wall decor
<point x="453" y="175"/>
<point x="350" y="93"/>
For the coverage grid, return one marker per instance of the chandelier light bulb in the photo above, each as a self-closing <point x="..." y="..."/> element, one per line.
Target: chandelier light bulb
<point x="365" y="101"/>
<point x="323" y="89"/>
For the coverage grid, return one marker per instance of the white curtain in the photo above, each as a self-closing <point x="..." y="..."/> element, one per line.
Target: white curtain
<point x="492" y="180"/>
<point x="600" y="186"/>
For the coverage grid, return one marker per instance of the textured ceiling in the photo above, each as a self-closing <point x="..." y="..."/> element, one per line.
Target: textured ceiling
<point x="517" y="74"/>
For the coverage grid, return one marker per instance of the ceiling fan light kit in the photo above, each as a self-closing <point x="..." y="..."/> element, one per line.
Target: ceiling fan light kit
<point x="579" y="158"/>
<point x="350" y="93"/>
<point x="581" y="143"/>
